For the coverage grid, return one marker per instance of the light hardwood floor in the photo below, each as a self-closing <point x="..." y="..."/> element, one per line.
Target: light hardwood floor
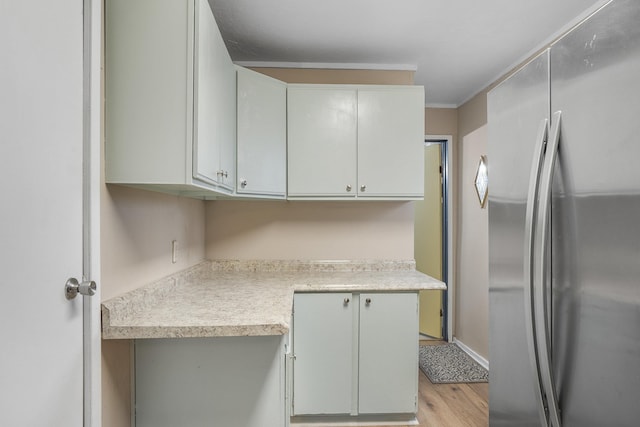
<point x="452" y="405"/>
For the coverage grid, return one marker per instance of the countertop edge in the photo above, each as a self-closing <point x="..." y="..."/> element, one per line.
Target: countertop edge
<point x="120" y="314"/>
<point x="150" y="332"/>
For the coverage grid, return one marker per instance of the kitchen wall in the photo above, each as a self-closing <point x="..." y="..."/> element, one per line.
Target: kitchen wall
<point x="137" y="228"/>
<point x="309" y="230"/>
<point x="313" y="230"/>
<point x="472" y="296"/>
<point x="471" y="325"/>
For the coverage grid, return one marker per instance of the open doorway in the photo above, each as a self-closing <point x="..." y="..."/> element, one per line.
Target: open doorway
<point x="433" y="237"/>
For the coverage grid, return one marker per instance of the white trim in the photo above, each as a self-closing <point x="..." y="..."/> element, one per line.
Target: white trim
<point x="132" y="379"/>
<point x="475" y="356"/>
<point x="545" y="44"/>
<point x="451" y="288"/>
<point x="328" y="65"/>
<point x="92" y="35"/>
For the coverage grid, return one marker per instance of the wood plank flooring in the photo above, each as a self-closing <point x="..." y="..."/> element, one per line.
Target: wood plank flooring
<point x="452" y="405"/>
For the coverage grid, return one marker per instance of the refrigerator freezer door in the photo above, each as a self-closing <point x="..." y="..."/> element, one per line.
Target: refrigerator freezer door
<point x="516" y="109"/>
<point x="595" y="73"/>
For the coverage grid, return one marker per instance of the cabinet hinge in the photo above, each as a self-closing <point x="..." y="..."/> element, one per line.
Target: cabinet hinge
<point x="441" y="313"/>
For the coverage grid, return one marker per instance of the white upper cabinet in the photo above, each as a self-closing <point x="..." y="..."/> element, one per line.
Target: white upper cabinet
<point x="262" y="135"/>
<point x="170" y="98"/>
<point x="362" y="142"/>
<point x="391" y="142"/>
<point x="215" y="93"/>
<point x="322" y="152"/>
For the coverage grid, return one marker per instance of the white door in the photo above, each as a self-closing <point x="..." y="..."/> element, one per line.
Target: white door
<point x="41" y="213"/>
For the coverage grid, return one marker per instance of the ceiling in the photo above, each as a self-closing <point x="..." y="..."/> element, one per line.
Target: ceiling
<point x="456" y="47"/>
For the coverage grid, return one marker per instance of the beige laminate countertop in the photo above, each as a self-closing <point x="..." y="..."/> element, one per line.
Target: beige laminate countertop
<point x="253" y="298"/>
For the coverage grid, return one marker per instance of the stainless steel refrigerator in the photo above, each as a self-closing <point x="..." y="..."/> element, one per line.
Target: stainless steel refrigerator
<point x="564" y="230"/>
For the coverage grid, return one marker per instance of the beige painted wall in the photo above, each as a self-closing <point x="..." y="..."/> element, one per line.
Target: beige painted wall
<point x="137" y="228"/>
<point x="313" y="230"/>
<point x="472" y="293"/>
<point x="309" y="230"/>
<point x="472" y="296"/>
<point x="338" y="76"/>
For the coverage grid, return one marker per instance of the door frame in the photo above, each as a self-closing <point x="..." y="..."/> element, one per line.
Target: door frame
<point x="92" y="131"/>
<point x="448" y="296"/>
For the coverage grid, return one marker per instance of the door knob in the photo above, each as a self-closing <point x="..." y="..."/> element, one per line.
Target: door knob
<point x="348" y="188"/>
<point x="73" y="288"/>
<point x="367" y="302"/>
<point x="243" y="183"/>
<point x="363" y="188"/>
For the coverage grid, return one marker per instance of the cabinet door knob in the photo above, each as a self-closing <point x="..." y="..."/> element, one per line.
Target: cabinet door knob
<point x="363" y="188"/>
<point x="243" y="183"/>
<point x="346" y="301"/>
<point x="367" y="301"/>
<point x="348" y="188"/>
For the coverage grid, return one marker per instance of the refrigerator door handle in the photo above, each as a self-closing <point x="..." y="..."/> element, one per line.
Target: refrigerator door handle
<point x="540" y="273"/>
<point x="529" y="251"/>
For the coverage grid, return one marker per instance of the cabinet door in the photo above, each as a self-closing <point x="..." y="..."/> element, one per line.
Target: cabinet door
<point x="322" y="136"/>
<point x="262" y="134"/>
<point x="322" y="345"/>
<point x="148" y="83"/>
<point x="214" y="100"/>
<point x="388" y="357"/>
<point x="391" y="142"/>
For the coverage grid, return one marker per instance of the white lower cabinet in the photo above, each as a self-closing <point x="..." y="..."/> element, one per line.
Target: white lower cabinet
<point x="355" y="354"/>
<point x="216" y="382"/>
<point x="388" y="353"/>
<point x="323" y="351"/>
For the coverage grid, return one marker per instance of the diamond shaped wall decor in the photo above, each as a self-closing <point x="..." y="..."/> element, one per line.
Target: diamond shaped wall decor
<point x="482" y="181"/>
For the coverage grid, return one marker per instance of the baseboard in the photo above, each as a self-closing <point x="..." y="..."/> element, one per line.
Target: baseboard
<point x="354" y="421"/>
<point x="475" y="356"/>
